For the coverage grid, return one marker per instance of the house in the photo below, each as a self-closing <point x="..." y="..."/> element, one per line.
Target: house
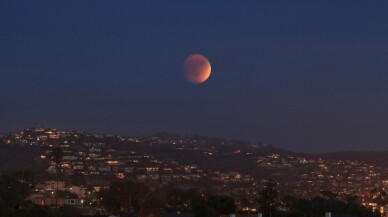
<point x="54" y="184"/>
<point x="73" y="202"/>
<point x="80" y="191"/>
<point x="45" y="200"/>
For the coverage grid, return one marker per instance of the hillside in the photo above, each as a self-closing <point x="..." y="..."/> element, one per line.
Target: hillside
<point x="379" y="158"/>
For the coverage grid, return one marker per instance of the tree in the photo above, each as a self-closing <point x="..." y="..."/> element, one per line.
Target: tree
<point x="175" y="198"/>
<point x="78" y="179"/>
<point x="66" y="194"/>
<point x="69" y="211"/>
<point x="122" y="192"/>
<point x="268" y="198"/>
<point x="116" y="198"/>
<point x="12" y="192"/>
<point x="110" y="203"/>
<point x="36" y="211"/>
<point x="317" y="207"/>
<point x="201" y="208"/>
<point x="138" y="193"/>
<point x="122" y="196"/>
<point x="329" y="195"/>
<point x="353" y="200"/>
<point x="57" y="157"/>
<point x="153" y="206"/>
<point x="25" y="176"/>
<point x="223" y="204"/>
<point x="379" y="197"/>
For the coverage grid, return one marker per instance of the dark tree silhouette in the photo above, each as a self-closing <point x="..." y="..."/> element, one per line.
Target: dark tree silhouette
<point x="223" y="204"/>
<point x="317" y="206"/>
<point x="379" y="196"/>
<point x="121" y="197"/>
<point x="268" y="198"/>
<point x="329" y="195"/>
<point x="202" y="209"/>
<point x="153" y="206"/>
<point x="12" y="192"/>
<point x="57" y="157"/>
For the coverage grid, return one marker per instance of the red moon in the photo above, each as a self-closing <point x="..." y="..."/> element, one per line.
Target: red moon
<point x="197" y="68"/>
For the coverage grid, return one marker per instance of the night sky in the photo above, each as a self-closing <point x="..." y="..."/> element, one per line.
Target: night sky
<point x="303" y="75"/>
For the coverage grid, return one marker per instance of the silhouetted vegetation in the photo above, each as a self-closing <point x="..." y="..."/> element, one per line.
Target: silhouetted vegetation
<point x="122" y="198"/>
<point x="57" y="157"/>
<point x="14" y="188"/>
<point x="268" y="200"/>
<point x="316" y="207"/>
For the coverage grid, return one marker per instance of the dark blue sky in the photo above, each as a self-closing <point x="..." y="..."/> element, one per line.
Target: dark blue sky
<point x="304" y="75"/>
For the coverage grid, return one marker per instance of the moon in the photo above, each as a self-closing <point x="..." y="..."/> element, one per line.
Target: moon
<point x="196" y="68"/>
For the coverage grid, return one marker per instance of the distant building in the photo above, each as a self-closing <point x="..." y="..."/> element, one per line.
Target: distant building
<point x="45" y="200"/>
<point x="54" y="184"/>
<point x="73" y="202"/>
<point x="78" y="190"/>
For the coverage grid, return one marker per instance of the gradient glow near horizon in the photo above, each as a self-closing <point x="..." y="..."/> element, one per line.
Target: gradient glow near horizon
<point x="306" y="76"/>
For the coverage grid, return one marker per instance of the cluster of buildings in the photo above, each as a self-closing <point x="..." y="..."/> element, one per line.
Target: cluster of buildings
<point x="192" y="162"/>
<point x="45" y="194"/>
<point x="307" y="176"/>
